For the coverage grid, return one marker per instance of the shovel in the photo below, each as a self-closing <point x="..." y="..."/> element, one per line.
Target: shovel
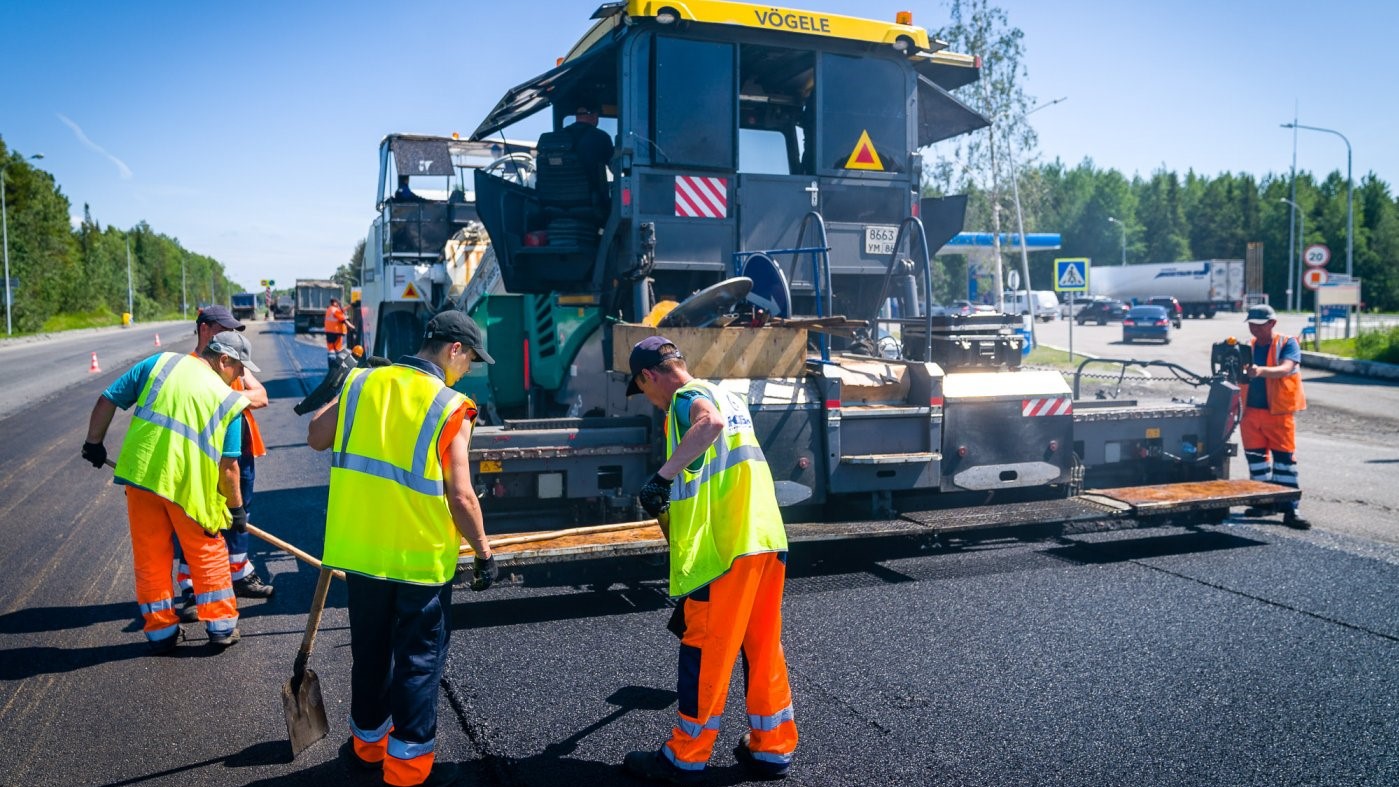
<point x="301" y="695"/>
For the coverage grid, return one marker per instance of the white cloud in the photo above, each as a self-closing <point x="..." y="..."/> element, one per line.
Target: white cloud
<point x="124" y="170"/>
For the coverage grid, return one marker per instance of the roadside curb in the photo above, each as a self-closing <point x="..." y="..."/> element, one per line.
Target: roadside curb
<point x="1382" y="371"/>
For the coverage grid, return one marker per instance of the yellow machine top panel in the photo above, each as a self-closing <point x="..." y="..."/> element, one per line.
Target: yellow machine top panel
<point x="770" y="17"/>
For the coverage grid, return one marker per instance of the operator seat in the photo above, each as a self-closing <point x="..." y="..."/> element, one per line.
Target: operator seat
<point x="570" y="211"/>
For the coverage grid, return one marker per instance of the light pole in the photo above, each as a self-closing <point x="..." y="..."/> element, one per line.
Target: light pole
<point x="1122" y="227"/>
<point x="1020" y="218"/>
<point x="1295" y="273"/>
<point x="1350" y="204"/>
<point x="130" y="306"/>
<point x="5" y="230"/>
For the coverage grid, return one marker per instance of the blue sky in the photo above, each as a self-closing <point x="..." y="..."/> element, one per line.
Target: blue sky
<point x="249" y="131"/>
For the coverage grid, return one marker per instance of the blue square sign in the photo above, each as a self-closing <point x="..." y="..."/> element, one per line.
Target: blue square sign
<point x="1071" y="274"/>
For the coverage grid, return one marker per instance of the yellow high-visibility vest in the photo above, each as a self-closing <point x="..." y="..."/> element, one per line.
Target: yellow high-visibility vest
<point x="728" y="507"/>
<point x="388" y="514"/>
<point x="176" y="437"/>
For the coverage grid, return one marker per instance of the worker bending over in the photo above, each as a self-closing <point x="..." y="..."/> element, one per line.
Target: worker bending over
<point x="179" y="464"/>
<point x="716" y="502"/>
<point x="400" y="500"/>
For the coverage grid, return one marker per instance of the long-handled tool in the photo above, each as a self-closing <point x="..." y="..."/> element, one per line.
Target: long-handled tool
<point x="301" y="695"/>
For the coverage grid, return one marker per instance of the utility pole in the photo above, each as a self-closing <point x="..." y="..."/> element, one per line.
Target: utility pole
<point x="1350" y="203"/>
<point x="1122" y="226"/>
<point x="1293" y="286"/>
<point x="184" y="293"/>
<point x="1301" y="221"/>
<point x="130" y="303"/>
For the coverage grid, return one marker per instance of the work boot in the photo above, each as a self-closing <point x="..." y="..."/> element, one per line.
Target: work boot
<point x="442" y="774"/>
<point x="164" y="647"/>
<point x="758" y="769"/>
<point x="1292" y="520"/>
<point x="347" y="754"/>
<point x="189" y="610"/>
<point x="653" y="767"/>
<point x="1259" y="511"/>
<point x="223" y="641"/>
<point x="252" y="586"/>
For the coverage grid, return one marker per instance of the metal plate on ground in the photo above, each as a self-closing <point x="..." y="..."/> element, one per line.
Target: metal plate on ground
<point x="1195" y="495"/>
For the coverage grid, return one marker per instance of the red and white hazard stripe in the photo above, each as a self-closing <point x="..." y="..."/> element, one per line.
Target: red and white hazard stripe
<point x="701" y="198"/>
<point x="1059" y="405"/>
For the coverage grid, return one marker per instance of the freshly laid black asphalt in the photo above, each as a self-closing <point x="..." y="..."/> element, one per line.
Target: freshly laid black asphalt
<point x="1230" y="655"/>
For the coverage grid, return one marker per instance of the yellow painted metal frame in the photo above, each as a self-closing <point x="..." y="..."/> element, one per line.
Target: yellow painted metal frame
<point x="769" y="17"/>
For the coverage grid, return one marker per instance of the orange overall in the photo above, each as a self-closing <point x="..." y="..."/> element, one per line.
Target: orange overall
<point x="153" y="520"/>
<point x="1272" y="429"/>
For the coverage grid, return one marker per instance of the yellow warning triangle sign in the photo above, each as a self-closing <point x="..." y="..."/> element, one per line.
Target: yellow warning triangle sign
<point x="864" y="155"/>
<point x="410" y="292"/>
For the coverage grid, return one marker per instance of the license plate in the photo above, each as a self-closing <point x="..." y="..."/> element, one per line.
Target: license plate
<point x="879" y="239"/>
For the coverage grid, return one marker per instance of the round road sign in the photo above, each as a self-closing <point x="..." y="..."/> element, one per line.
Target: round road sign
<point x="1317" y="255"/>
<point x="1314" y="278"/>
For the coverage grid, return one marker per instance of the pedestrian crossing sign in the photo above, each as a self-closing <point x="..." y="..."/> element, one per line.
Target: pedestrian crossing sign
<point x="1071" y="274"/>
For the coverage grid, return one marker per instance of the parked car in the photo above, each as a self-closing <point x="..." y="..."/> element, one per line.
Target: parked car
<point x="1171" y="305"/>
<point x="1102" y="312"/>
<point x="961" y="308"/>
<point x="1147" y="322"/>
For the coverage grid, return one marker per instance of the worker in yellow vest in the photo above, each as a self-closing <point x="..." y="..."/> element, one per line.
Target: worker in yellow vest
<point x="179" y="464"/>
<point x="717" y="505"/>
<point x="401" y="499"/>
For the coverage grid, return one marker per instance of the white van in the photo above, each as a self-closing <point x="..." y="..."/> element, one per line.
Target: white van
<point x="1046" y="303"/>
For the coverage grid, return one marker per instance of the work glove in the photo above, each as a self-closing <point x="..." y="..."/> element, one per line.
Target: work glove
<point x="240" y="519"/>
<point x="483" y="573"/>
<point x="96" y="453"/>
<point x="655" y="495"/>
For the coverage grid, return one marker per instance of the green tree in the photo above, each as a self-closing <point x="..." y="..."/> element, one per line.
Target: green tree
<point x="1162" y="217"/>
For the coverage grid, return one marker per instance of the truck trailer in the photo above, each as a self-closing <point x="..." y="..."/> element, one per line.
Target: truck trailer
<point x="244" y="306"/>
<point x="799" y="279"/>
<point x="1203" y="287"/>
<point x="312" y="299"/>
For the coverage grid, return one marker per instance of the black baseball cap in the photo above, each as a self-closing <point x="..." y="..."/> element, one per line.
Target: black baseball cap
<point x="454" y="326"/>
<point x="646" y="354"/>
<point x="1260" y="314"/>
<point x="220" y="316"/>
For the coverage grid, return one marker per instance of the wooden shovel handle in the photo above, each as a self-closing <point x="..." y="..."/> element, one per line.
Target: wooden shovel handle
<point x="313" y="622"/>
<point x="553" y="534"/>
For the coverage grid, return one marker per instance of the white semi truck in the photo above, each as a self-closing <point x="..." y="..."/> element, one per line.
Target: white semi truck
<point x="1203" y="287"/>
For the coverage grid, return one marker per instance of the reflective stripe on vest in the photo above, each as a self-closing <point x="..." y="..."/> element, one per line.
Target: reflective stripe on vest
<point x="388" y="514"/>
<point x="176" y="439"/>
<point x="726" y="509"/>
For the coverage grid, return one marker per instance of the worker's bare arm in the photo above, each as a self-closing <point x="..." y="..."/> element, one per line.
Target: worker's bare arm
<point x="254" y="390"/>
<point x="461" y="496"/>
<point x="101" y="419"/>
<point x="706" y="424"/>
<point x="320" y="434"/>
<point x="228" y="481"/>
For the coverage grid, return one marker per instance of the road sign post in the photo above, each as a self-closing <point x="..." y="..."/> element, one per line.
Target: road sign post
<point x="1071" y="276"/>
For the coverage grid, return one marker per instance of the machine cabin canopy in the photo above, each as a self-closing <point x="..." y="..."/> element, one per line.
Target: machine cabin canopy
<point x="440" y="162"/>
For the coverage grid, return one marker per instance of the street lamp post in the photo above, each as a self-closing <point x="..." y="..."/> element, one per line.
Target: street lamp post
<point x="5" y="231"/>
<point x="130" y="305"/>
<point x="1350" y="204"/>
<point x="1020" y="219"/>
<point x="1294" y="267"/>
<point x="1122" y="226"/>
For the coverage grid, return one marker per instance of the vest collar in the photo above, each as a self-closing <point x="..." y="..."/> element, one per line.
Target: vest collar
<point x="422" y="365"/>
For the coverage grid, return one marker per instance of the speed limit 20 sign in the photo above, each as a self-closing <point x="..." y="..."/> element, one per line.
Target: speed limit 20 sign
<point x="1316" y="255"/>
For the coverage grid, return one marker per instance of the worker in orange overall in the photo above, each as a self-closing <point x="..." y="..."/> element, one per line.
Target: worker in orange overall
<point x="336" y="326"/>
<point x="717" y="504"/>
<point x="1272" y="394"/>
<point x="246" y="582"/>
<point x="179" y="464"/>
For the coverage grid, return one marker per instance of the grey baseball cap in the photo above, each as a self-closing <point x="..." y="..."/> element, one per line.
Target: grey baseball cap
<point x="236" y="346"/>
<point x="1261" y="313"/>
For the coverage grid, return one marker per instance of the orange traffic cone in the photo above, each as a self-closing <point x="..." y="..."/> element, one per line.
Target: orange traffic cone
<point x="157" y="340"/>
<point x="94" y="368"/>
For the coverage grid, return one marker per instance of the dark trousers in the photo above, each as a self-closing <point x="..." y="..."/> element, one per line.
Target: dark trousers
<point x="398" y="643"/>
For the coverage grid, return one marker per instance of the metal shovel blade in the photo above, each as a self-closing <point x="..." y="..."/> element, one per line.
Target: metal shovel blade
<point x="305" y="712"/>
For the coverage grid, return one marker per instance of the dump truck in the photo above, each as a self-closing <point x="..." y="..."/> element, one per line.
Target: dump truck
<point x="312" y="299"/>
<point x="790" y="260"/>
<point x="1203" y="287"/>
<point x="244" y="305"/>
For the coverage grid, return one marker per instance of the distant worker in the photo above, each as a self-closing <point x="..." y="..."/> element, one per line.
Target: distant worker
<point x="1272" y="395"/>
<point x="179" y="464"/>
<point x="246" y="582"/>
<point x="395" y="532"/>
<point x="336" y="326"/>
<point x="593" y="146"/>
<point x="717" y="505"/>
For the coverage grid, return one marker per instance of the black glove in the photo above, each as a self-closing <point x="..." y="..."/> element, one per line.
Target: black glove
<point x="96" y="453"/>
<point x="655" y="495"/>
<point x="483" y="573"/>
<point x="240" y="519"/>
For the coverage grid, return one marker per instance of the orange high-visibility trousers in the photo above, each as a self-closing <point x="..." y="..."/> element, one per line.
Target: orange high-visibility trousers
<point x="153" y="519"/>
<point x="740" y="612"/>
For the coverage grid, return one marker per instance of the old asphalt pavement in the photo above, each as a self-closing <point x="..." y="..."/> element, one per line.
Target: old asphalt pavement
<point x="1243" y="654"/>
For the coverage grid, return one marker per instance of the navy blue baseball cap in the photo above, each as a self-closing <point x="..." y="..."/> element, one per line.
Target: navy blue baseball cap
<point x="646" y="354"/>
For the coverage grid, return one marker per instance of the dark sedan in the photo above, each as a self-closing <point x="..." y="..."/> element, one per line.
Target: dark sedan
<point x="1147" y="322"/>
<point x="1102" y="312"/>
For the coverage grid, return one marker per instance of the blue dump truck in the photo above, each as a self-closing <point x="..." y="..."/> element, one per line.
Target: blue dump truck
<point x="245" y="306"/>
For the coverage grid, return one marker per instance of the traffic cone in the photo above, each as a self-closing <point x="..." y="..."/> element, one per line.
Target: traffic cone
<point x="94" y="368"/>
<point x="157" y="340"/>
